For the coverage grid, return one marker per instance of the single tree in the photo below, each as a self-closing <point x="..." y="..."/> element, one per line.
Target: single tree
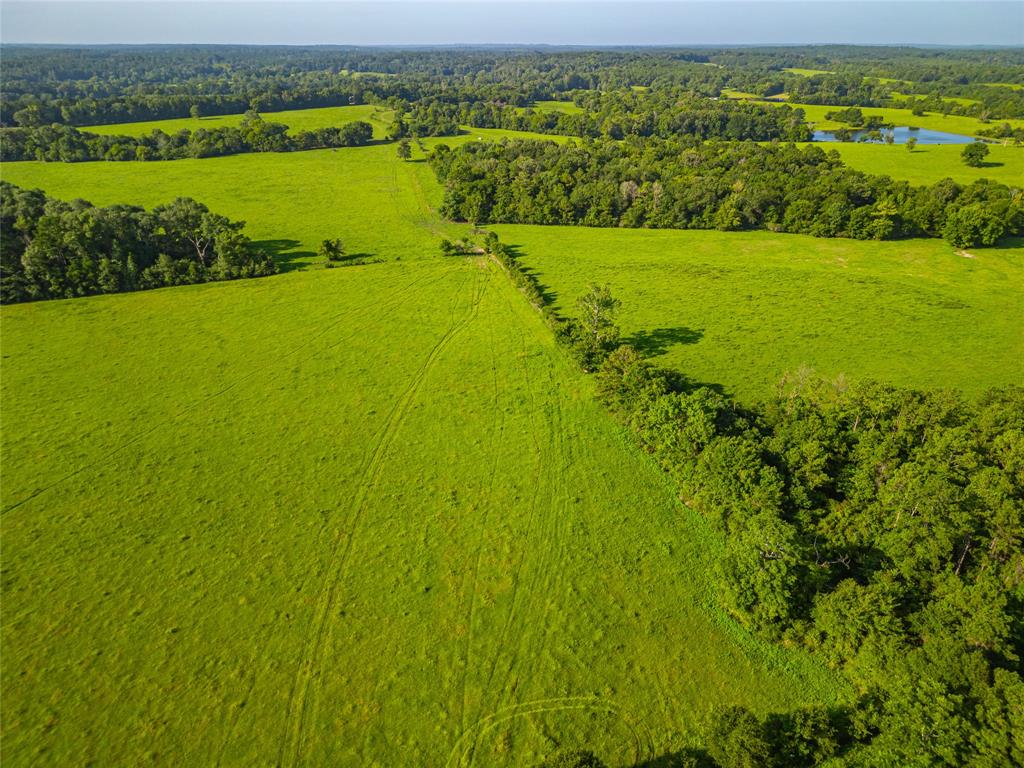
<point x="195" y="112"/>
<point x="595" y="333"/>
<point x="332" y="250"/>
<point x="974" y="154"/>
<point x="911" y="143"/>
<point x="404" y="149"/>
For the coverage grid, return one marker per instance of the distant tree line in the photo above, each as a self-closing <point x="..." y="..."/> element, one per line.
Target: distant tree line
<point x="89" y="86"/>
<point x="50" y="249"/>
<point x="66" y="144"/>
<point x="712" y="185"/>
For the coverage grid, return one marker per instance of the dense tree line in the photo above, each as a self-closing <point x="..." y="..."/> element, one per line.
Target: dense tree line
<point x="618" y="115"/>
<point x="89" y="86"/>
<point x="712" y="185"/>
<point x="881" y="528"/>
<point x="50" y="249"/>
<point x="70" y="145"/>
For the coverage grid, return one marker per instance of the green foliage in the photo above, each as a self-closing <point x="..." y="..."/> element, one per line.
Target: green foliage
<point x="54" y="250"/>
<point x="66" y="144"/>
<point x="681" y="184"/>
<point x="331" y="249"/>
<point x="974" y="154"/>
<point x="736" y="740"/>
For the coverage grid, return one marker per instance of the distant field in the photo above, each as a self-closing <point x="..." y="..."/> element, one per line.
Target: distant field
<point x="950" y="99"/>
<point x="740" y="309"/>
<point x="1014" y="86"/>
<point x="357" y="516"/>
<point x="568" y="107"/>
<point x="966" y="126"/>
<point x="815" y="115"/>
<point x="295" y="119"/>
<point x="807" y="72"/>
<point x="929" y="163"/>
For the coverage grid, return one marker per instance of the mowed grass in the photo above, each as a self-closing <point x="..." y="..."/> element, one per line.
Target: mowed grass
<point x="295" y="119"/>
<point x="929" y="163"/>
<point x="357" y="516"/>
<point x="741" y="309"/>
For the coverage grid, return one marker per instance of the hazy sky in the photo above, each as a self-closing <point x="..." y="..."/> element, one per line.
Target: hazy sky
<point x="579" y="22"/>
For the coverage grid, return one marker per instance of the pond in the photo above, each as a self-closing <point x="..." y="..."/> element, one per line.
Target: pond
<point x="901" y="134"/>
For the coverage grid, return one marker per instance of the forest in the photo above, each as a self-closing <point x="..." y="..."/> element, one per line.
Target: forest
<point x="711" y="185"/>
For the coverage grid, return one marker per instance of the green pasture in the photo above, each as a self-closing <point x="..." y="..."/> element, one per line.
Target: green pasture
<point x="966" y="126"/>
<point x="295" y="119"/>
<point x="951" y="99"/>
<point x="568" y="107"/>
<point x="815" y="115"/>
<point x="929" y="163"/>
<point x="354" y="516"/>
<point x="741" y="309"/>
<point x="807" y="72"/>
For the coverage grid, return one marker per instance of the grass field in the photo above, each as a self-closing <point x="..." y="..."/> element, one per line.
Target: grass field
<point x="360" y="516"/>
<point x="295" y="119"/>
<point x="741" y="309"/>
<point x="815" y="115"/>
<point x="929" y="163"/>
<point x="965" y="126"/>
<point x="568" y="107"/>
<point x="807" y="72"/>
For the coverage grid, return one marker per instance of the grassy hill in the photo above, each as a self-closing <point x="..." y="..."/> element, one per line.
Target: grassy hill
<point x="350" y="516"/>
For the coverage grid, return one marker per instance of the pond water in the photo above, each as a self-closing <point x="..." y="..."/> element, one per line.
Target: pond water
<point x="901" y="134"/>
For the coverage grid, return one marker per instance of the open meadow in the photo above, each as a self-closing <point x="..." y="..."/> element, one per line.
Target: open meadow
<point x="741" y="309"/>
<point x="366" y="515"/>
<point x="929" y="163"/>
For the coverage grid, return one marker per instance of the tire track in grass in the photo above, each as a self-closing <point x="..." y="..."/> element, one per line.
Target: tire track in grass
<point x="540" y="536"/>
<point x="382" y="308"/>
<point x="495" y="438"/>
<point x="300" y="709"/>
<point x="555" y="529"/>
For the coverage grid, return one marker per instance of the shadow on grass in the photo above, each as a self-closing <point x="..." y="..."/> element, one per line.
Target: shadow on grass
<point x="284" y="253"/>
<point x="550" y="297"/>
<point x="660" y="340"/>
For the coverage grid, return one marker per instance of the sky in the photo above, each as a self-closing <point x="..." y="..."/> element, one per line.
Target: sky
<point x="570" y="22"/>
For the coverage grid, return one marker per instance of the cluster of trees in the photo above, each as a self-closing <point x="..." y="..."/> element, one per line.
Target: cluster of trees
<point x="66" y="144"/>
<point x="712" y="185"/>
<point x="881" y="528"/>
<point x="50" y="249"/>
<point x="616" y="115"/>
